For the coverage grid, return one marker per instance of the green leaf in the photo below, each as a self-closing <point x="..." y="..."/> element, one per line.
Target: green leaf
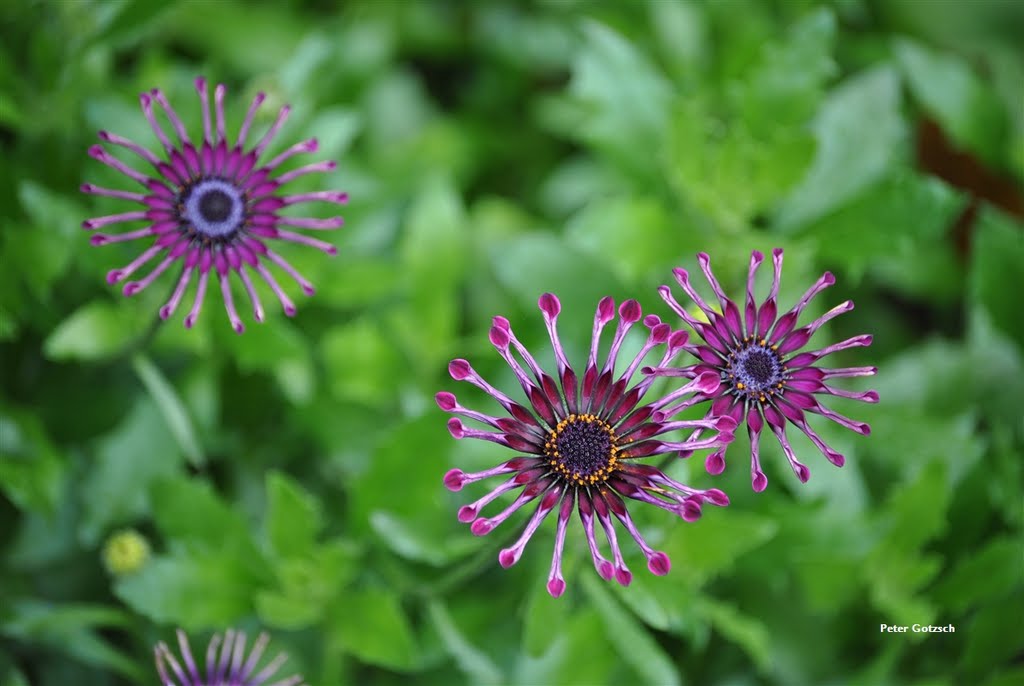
<point x="829" y="579"/>
<point x="959" y="99"/>
<point x="171" y="408"/>
<point x="335" y="128"/>
<point x="892" y="222"/>
<point x="625" y="96"/>
<point x="473" y="662"/>
<point x="991" y="571"/>
<point x="533" y="264"/>
<point x="712" y="544"/>
<point x="10" y="675"/>
<point x="681" y="31"/>
<point x="433" y="247"/>
<point x="529" y="40"/>
<point x="307" y="586"/>
<point x="276" y="347"/>
<point x="897" y="568"/>
<point x="308" y="56"/>
<point x="404" y="539"/>
<point x="1006" y="479"/>
<point x="294" y="516"/>
<point x="634" y="644"/>
<point x="298" y="604"/>
<point x="785" y="84"/>
<point x="997" y="263"/>
<point x="950" y="440"/>
<point x="543" y="618"/>
<point x="73" y="629"/>
<point x="916" y="511"/>
<point x="127" y="462"/>
<point x="36" y="617"/>
<point x="107" y="109"/>
<point x="433" y="251"/>
<point x="189" y="512"/>
<point x="653" y="242"/>
<point x="425" y="327"/>
<point x="359" y="281"/>
<point x="749" y="633"/>
<point x="361" y="362"/>
<point x="8" y="322"/>
<point x="860" y="134"/>
<point x="666" y="604"/>
<point x="374" y="629"/>
<point x="402" y="499"/>
<point x="735" y="159"/>
<point x="418" y="541"/>
<point x="734" y="176"/>
<point x="942" y="378"/>
<point x="396" y="111"/>
<point x="896" y="584"/>
<point x="31" y="471"/>
<point x="121" y="20"/>
<point x="194" y="589"/>
<point x="580" y="654"/>
<point x="43" y="250"/>
<point x="216" y="29"/>
<point x="1011" y="677"/>
<point x="992" y="636"/>
<point x="94" y="331"/>
<point x="285" y="611"/>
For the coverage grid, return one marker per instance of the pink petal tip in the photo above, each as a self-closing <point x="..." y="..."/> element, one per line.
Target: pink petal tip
<point x="454" y="480"/>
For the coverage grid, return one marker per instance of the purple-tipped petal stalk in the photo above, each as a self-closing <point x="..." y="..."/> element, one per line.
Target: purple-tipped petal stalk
<point x="580" y="441"/>
<point x="764" y="377"/>
<point x="211" y="206"/>
<point x="226" y="663"/>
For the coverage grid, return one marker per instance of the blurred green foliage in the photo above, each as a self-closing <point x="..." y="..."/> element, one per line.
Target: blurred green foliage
<point x="290" y="478"/>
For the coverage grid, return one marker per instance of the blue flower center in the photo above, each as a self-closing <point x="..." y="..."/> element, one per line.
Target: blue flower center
<point x="582" y="449"/>
<point x="212" y="208"/>
<point x="755" y="369"/>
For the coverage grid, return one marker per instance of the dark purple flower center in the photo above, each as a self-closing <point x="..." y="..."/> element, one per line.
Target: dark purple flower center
<point x="215" y="206"/>
<point x="582" y="449"/>
<point x="212" y="208"/>
<point x="755" y="369"/>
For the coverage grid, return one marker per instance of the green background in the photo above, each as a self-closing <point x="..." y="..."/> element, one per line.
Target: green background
<point x="290" y="478"/>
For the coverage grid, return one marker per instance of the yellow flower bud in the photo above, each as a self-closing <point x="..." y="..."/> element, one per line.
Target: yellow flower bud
<point x="125" y="552"/>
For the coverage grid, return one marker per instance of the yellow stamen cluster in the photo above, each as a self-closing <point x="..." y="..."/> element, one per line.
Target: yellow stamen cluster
<point x="575" y="476"/>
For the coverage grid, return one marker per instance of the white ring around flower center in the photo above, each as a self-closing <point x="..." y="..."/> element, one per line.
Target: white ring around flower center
<point x="214" y="208"/>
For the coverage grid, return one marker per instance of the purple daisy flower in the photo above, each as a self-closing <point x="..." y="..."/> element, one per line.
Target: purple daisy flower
<point x="225" y="670"/>
<point x="764" y="376"/>
<point x="580" y="445"/>
<point x="212" y="207"/>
